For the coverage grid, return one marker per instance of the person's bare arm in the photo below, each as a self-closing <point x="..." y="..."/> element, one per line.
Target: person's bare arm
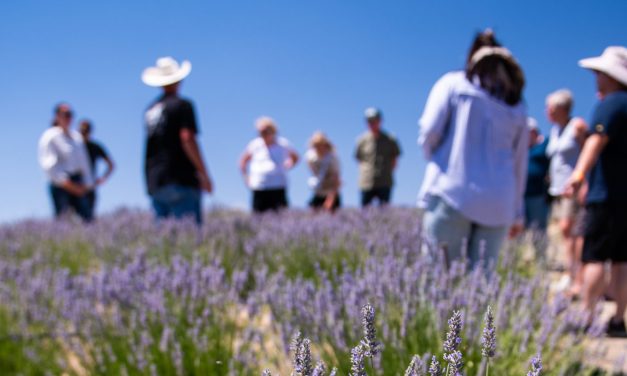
<point x="581" y="131"/>
<point x="243" y="165"/>
<point x="589" y="155"/>
<point x="108" y="172"/>
<point x="191" y="149"/>
<point x="292" y="159"/>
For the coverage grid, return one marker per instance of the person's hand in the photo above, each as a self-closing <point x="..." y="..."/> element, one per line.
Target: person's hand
<point x="75" y="189"/>
<point x="573" y="183"/>
<point x="328" y="203"/>
<point x="515" y="230"/>
<point x="205" y="183"/>
<point x="288" y="164"/>
<point x="101" y="180"/>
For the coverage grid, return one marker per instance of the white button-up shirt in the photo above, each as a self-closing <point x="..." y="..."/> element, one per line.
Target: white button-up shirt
<point x="476" y="147"/>
<point x="62" y="155"/>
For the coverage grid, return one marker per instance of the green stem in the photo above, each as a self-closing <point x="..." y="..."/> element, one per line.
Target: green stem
<point x="487" y="368"/>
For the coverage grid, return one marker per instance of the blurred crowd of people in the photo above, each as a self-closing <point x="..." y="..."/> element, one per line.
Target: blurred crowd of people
<point x="490" y="172"/>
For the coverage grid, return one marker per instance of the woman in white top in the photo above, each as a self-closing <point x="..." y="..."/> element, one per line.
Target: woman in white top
<point x="473" y="132"/>
<point x="264" y="165"/>
<point x="63" y="157"/>
<point x="325" y="170"/>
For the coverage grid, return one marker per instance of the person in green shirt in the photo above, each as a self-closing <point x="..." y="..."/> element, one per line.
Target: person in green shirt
<point x="377" y="154"/>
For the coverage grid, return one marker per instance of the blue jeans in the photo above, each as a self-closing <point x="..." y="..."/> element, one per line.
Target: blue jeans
<point x="536" y="212"/>
<point x="447" y="228"/>
<point x="177" y="201"/>
<point x="64" y="201"/>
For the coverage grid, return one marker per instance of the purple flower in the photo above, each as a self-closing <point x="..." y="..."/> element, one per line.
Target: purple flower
<point x="536" y="366"/>
<point x="358" y="367"/>
<point x="416" y="367"/>
<point x="453" y="339"/>
<point x="488" y="339"/>
<point x="371" y="346"/>
<point x="434" y="368"/>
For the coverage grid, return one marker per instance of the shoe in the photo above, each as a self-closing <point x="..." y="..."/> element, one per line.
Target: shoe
<point x="563" y="284"/>
<point x="616" y="329"/>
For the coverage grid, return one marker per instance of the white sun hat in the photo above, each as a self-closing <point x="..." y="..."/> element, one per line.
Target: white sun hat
<point x="612" y="62"/>
<point x="167" y="72"/>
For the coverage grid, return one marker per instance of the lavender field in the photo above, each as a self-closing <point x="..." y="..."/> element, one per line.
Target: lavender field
<point x="126" y="297"/>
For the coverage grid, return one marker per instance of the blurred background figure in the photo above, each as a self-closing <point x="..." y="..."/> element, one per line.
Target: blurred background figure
<point x="567" y="136"/>
<point x="536" y="192"/>
<point x="96" y="153"/>
<point x="325" y="170"/>
<point x="377" y="154"/>
<point x="264" y="166"/>
<point x="473" y="187"/>
<point x="63" y="157"/>
<point x="603" y="160"/>
<point x="175" y="170"/>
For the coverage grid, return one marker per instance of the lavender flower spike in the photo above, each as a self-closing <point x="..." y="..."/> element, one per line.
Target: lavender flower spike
<point x="357" y="361"/>
<point x="455" y="363"/>
<point x="453" y="338"/>
<point x="303" y="359"/>
<point x="266" y="372"/>
<point x="536" y="366"/>
<point x="416" y="367"/>
<point x="320" y="369"/>
<point x="370" y="332"/>
<point x="295" y="346"/>
<point x="434" y="368"/>
<point x="488" y="339"/>
<point x="333" y="372"/>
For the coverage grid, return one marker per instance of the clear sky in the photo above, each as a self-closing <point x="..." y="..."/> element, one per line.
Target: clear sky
<point x="309" y="64"/>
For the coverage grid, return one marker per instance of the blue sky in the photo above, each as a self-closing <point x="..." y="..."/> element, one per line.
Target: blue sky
<point x="309" y="64"/>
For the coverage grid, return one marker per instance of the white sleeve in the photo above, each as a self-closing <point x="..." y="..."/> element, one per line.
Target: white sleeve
<point x="49" y="160"/>
<point x="435" y="117"/>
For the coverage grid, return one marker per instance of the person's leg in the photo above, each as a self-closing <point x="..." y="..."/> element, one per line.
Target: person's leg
<point x="366" y="197"/>
<point x="81" y="207"/>
<point x="281" y="199"/>
<point x="618" y="285"/>
<point x="444" y="227"/>
<point x="485" y="244"/>
<point x="384" y="194"/>
<point x="593" y="284"/>
<point x="60" y="200"/>
<point x="537" y="213"/>
<point x="163" y="200"/>
<point x="188" y="203"/>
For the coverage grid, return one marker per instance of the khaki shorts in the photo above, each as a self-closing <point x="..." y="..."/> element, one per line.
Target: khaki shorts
<point x="564" y="207"/>
<point x="568" y="208"/>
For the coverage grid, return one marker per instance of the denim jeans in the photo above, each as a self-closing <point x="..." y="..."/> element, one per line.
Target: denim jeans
<point x="64" y="202"/>
<point x="447" y="228"/>
<point x="177" y="201"/>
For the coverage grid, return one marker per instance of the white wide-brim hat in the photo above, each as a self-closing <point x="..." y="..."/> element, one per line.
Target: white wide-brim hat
<point x="612" y="62"/>
<point x="167" y="72"/>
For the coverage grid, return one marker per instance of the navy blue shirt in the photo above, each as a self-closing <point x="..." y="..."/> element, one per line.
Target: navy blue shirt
<point x="608" y="178"/>
<point x="537" y="170"/>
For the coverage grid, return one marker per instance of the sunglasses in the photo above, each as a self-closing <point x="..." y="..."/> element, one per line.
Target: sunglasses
<point x="66" y="114"/>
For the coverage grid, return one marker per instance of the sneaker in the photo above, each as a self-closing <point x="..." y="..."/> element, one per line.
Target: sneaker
<point x="616" y="329"/>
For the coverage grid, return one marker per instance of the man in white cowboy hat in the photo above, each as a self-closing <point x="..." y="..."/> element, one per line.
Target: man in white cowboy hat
<point x="175" y="171"/>
<point x="603" y="161"/>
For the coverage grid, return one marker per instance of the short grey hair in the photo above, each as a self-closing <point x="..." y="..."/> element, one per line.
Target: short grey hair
<point x="561" y="98"/>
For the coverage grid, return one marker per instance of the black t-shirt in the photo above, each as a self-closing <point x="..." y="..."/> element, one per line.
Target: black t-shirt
<point x="166" y="162"/>
<point x="95" y="151"/>
<point x="608" y="180"/>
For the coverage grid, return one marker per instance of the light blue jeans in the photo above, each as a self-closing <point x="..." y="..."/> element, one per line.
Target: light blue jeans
<point x="446" y="228"/>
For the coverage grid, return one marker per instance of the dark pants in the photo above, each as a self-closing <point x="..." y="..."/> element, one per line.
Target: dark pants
<point x="316" y="202"/>
<point x="91" y="201"/>
<point x="269" y="199"/>
<point x="64" y="201"/>
<point x="382" y="194"/>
